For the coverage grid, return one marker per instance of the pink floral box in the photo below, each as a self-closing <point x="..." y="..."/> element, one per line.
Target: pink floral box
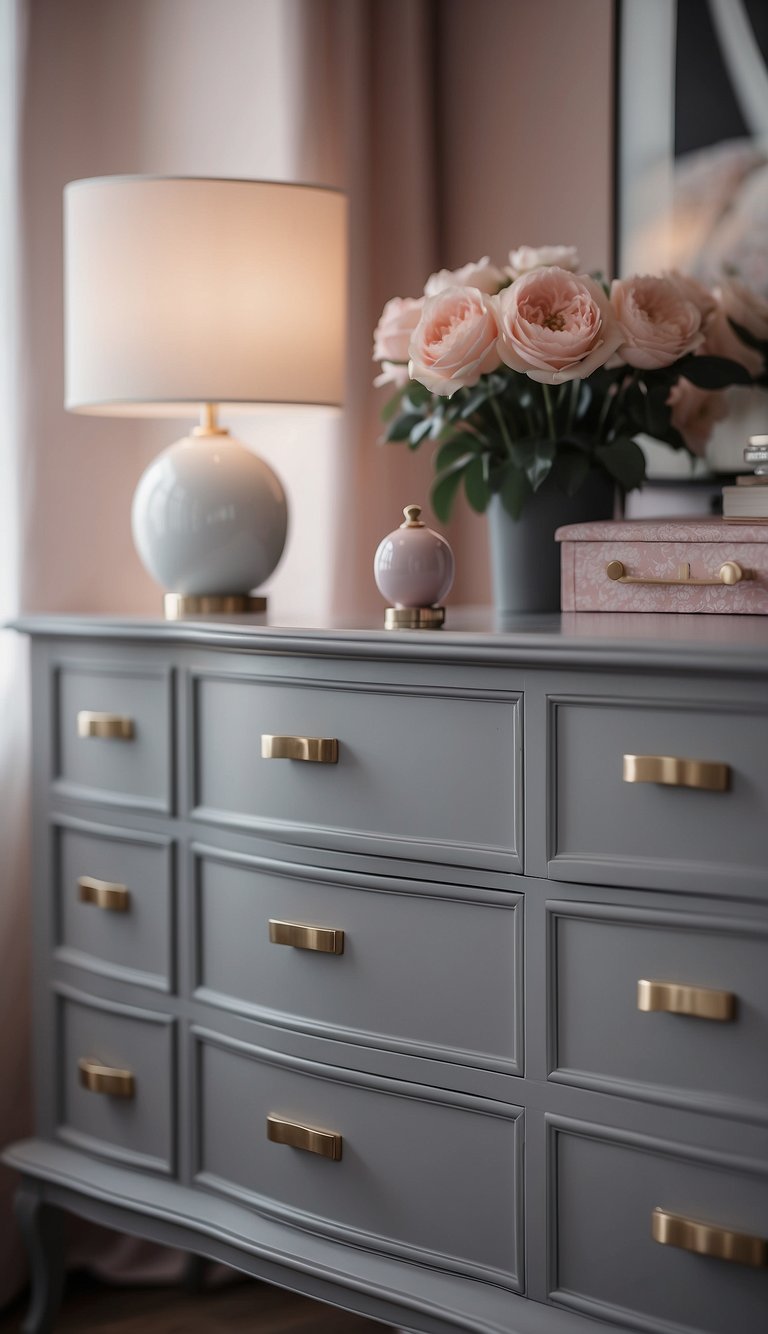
<point x="601" y="561"/>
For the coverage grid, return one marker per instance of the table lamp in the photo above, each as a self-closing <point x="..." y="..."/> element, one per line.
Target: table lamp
<point x="184" y="295"/>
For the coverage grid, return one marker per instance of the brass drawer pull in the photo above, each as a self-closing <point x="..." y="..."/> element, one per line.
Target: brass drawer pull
<point x="703" y="1239"/>
<point x="730" y="573"/>
<point x="678" y="998"/>
<point x="314" y="749"/>
<point x="670" y="770"/>
<point x="325" y="1142"/>
<point x="104" y="894"/>
<point x="324" y="939"/>
<point x="99" y="1078"/>
<point x="110" y="725"/>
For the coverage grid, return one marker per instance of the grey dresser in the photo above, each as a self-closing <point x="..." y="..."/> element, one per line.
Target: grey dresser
<point x="425" y="973"/>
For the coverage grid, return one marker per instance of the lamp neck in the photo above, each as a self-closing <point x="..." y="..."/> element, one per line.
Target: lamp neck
<point x="209" y="423"/>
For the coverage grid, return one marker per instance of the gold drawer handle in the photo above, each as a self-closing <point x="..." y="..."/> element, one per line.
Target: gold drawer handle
<point x="678" y="998"/>
<point x="703" y="1239"/>
<point x="730" y="573"/>
<point x="709" y="775"/>
<point x="324" y="939"/>
<point x="99" y="1078"/>
<point x="314" y="749"/>
<point x="325" y="1142"/>
<point x="110" y="725"/>
<point x="104" y="894"/>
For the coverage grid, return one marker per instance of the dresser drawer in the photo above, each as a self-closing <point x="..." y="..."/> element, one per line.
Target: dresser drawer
<point x="661" y="1005"/>
<point x="606" y="1262"/>
<point x="433" y="1178"/>
<point x="114" y="907"/>
<point x="115" y="1079"/>
<point x="383" y="968"/>
<point x="630" y="808"/>
<point x="113" y="734"/>
<point x="401" y="774"/>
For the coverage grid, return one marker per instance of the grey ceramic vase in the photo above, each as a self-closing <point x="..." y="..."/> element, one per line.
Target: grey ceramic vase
<point x="525" y="558"/>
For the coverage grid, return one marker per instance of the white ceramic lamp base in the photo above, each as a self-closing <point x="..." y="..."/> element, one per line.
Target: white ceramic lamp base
<point x="209" y="522"/>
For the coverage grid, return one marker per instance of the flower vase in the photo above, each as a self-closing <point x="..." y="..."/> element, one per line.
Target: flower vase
<point x="525" y="558"/>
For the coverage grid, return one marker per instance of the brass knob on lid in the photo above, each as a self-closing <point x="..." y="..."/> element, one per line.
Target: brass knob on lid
<point x="413" y="517"/>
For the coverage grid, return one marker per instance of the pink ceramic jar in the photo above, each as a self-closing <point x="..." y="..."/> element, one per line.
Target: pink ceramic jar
<point x="413" y="569"/>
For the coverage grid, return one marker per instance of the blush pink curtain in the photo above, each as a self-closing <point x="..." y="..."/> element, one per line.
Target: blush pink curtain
<point x="459" y="128"/>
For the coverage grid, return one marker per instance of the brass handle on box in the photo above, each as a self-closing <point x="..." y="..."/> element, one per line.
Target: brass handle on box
<point x="324" y="939"/>
<point x="326" y="1143"/>
<point x="679" y="998"/>
<point x="730" y="573"/>
<point x="672" y="771"/>
<point x="704" y="1239"/>
<point x="109" y="725"/>
<point x="103" y="894"/>
<point x="313" y="749"/>
<point x="98" y="1078"/>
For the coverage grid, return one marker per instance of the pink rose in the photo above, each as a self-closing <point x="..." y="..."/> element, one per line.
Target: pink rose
<point x="694" y="413"/>
<point x="555" y="326"/>
<point x="392" y="336"/>
<point x="745" y="307"/>
<point x="455" y="341"/>
<point x="695" y="292"/>
<point x="659" y="323"/>
<point x="527" y="258"/>
<point x="482" y="274"/>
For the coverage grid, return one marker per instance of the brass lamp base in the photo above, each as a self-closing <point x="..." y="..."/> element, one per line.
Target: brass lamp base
<point x="414" y="618"/>
<point x="178" y="606"/>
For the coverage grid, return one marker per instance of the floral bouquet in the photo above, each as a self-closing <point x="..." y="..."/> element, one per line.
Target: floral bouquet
<point x="536" y="375"/>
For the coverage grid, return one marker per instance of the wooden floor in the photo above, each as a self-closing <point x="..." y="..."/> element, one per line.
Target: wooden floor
<point x="249" y="1307"/>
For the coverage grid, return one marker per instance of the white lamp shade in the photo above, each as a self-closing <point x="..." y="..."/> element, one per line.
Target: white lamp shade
<point x="180" y="291"/>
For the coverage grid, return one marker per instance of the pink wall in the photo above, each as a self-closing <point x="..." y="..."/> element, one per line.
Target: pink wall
<point x="180" y="86"/>
<point x="527" y="154"/>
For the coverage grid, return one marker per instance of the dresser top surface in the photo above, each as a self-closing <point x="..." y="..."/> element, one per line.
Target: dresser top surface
<point x="601" y="639"/>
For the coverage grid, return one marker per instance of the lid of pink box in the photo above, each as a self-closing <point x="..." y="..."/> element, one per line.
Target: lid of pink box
<point x="699" y="529"/>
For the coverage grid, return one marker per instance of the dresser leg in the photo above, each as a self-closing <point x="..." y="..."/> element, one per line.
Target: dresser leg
<point x="41" y="1229"/>
<point x="193" y="1274"/>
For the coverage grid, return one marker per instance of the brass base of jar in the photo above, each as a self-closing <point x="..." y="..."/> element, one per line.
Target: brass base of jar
<point x="177" y="606"/>
<point x="414" y="618"/>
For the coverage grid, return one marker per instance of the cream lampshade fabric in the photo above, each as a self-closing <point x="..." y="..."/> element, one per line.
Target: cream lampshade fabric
<point x="180" y="291"/>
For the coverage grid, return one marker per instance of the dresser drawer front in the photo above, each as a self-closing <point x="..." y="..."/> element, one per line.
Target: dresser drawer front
<point x="114" y="909"/>
<point x="628" y="811"/>
<point x="113" y="731"/>
<point x="394" y="984"/>
<point x="431" y="1178"/>
<point x="606" y="1262"/>
<point x="136" y="1126"/>
<point x="406" y="777"/>
<point x="600" y="1038"/>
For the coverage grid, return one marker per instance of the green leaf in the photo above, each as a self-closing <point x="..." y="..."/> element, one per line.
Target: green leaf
<point x="713" y="372"/>
<point x="445" y="486"/>
<point x="416" y="396"/>
<point x="401" y="427"/>
<point x="419" y="432"/>
<point x="749" y="338"/>
<point x="570" y="471"/>
<point x="475" y="401"/>
<point x="453" y="449"/>
<point x="513" y="491"/>
<point x="390" y="407"/>
<point x="540" y="464"/>
<point x="624" y="460"/>
<point x="584" y="400"/>
<point x="476" y="486"/>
